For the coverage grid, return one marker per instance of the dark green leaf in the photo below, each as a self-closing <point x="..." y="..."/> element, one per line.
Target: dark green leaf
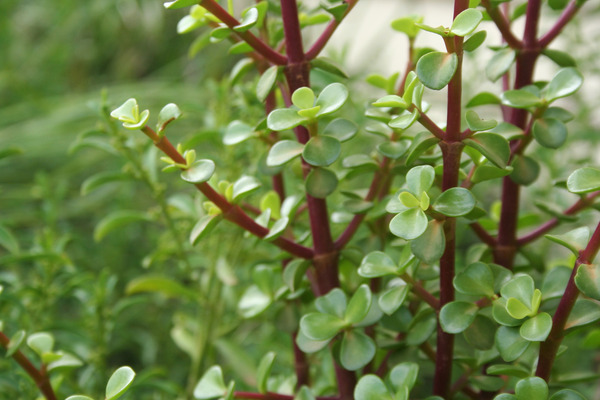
<point x="493" y="146"/>
<point x="454" y="202"/>
<point x="474" y="41"/>
<point x="404" y="375"/>
<point x="160" y="284"/>
<point x="116" y="220"/>
<point x="477" y="124"/>
<point x="480" y="334"/>
<point x="430" y="246"/>
<point x="561" y="58"/>
<point x="508" y="369"/>
<point x="377" y="264"/>
<point x="567" y="394"/>
<point x="456" y="316"/>
<point x="322" y="150"/>
<point x="477" y="279"/>
<point x="436" y="69"/>
<point x="483" y="98"/>
<point x="420" y="144"/>
<point x="510" y="344"/>
<point x="15" y="342"/>
<point x="100" y="179"/>
<point x="486" y="172"/>
<point x="421" y="327"/>
<point x="8" y="240"/>
<point x="321" y="182"/>
<point x="359" y="305"/>
<point x="525" y="170"/>
<point x="341" y="129"/>
<point x="327" y="65"/>
<point x="393" y="150"/>
<point x="549" y="132"/>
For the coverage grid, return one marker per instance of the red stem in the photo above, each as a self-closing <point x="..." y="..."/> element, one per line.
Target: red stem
<point x="322" y="40"/>
<point x="549" y="348"/>
<point x="257" y="44"/>
<point x="567" y="15"/>
<point x="39" y="376"/>
<point x="272" y="396"/>
<point x="502" y="24"/>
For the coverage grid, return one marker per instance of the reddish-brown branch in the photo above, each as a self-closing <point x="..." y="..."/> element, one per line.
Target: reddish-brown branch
<point x="566" y="16"/>
<point x="502" y="24"/>
<point x="322" y="40"/>
<point x="482" y="234"/>
<point x="549" y="348"/>
<point x="431" y="126"/>
<point x="39" y="376"/>
<point x="258" y="45"/>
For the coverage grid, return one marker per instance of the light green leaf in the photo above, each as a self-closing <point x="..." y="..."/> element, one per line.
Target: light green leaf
<point x="237" y="132"/>
<point x="100" y="179"/>
<point x="483" y="98"/>
<point x="359" y="305"/>
<point x="284" y="119"/>
<point x="203" y="227"/>
<point x="566" y="82"/>
<point x="405" y="120"/>
<point x="371" y="387"/>
<point x="390" y="300"/>
<point x="172" y="5"/>
<point x="394" y="150"/>
<point x="536" y="329"/>
<point x="409" y="224"/>
<point x="303" y="98"/>
<point x="420" y="179"/>
<point x="169" y="113"/>
<point x="284" y="151"/>
<point x="199" y="172"/>
<point x="521" y="288"/>
<point x="574" y="240"/>
<point x="407" y="25"/>
<point x="430" y="246"/>
<point x="160" y="284"/>
<point x="476" y="40"/>
<point x="266" y="82"/>
<point x="500" y="63"/>
<point x="79" y="397"/>
<point x="391" y="100"/>
<point x="357" y="350"/>
<point x="585" y="312"/>
<point x="119" y="382"/>
<point x="477" y="124"/>
<point x="341" y="129"/>
<point x="532" y="388"/>
<point x="520" y="98"/>
<point x="436" y="69"/>
<point x="244" y="186"/>
<point x="331" y="99"/>
<point x="318" y="326"/>
<point x="466" y="22"/>
<point x="422" y="142"/>
<point x="584" y="180"/>
<point x="253" y="302"/>
<point x="263" y="371"/>
<point x="211" y="385"/>
<point x="377" y="264"/>
<point x="16" y="340"/>
<point x="510" y="344"/>
<point x="588" y="280"/>
<point x="249" y="19"/>
<point x="8" y="240"/>
<point x="41" y="342"/>
<point x="477" y="279"/>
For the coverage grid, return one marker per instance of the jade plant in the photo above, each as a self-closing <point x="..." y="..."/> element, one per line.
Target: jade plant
<point x="411" y="256"/>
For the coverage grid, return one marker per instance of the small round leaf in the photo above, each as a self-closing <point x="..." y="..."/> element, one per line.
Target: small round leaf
<point x="357" y="350"/>
<point x="477" y="279"/>
<point x="359" y="305"/>
<point x="436" y="69"/>
<point x="566" y="82"/>
<point x="532" y="388"/>
<point x="588" y="280"/>
<point x="284" y="151"/>
<point x="377" y="264"/>
<point x="341" y="129"/>
<point x="303" y="98"/>
<point x="322" y="150"/>
<point x="409" y="224"/>
<point x="466" y="22"/>
<point x="455" y="202"/>
<point x="199" y="172"/>
<point x="549" y="132"/>
<point x="371" y="387"/>
<point x="283" y="119"/>
<point x="456" y="316"/>
<point x="319" y="326"/>
<point x="211" y="385"/>
<point x="510" y="344"/>
<point x="332" y="98"/>
<point x="536" y="329"/>
<point x="584" y="180"/>
<point x="119" y="382"/>
<point x="321" y="182"/>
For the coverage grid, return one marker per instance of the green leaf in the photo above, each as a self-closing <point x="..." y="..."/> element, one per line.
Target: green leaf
<point x="521" y="288"/>
<point x="327" y="65"/>
<point x="391" y="100"/>
<point x="421" y="327"/>
<point x="203" y="227"/>
<point x="532" y="388"/>
<point x="318" y="326"/>
<point x="394" y="150"/>
<point x="567" y="394"/>
<point x="116" y="220"/>
<point x="456" y="316"/>
<point x="341" y="129"/>
<point x="420" y="179"/>
<point x="510" y="344"/>
<point x="263" y="371"/>
<point x="405" y="120"/>
<point x="409" y="224"/>
<point x="585" y="312"/>
<point x="283" y="119"/>
<point x="129" y="114"/>
<point x="492" y="145"/>
<point x="517" y="309"/>
<point x="303" y="98"/>
<point x="466" y="22"/>
<point x="584" y="180"/>
<point x="476" y="279"/>
<point x="422" y="142"/>
<point x="79" y="397"/>
<point x="8" y="240"/>
<point x="283" y="152"/>
<point x="250" y="17"/>
<point x="588" y="280"/>
<point x="294" y="272"/>
<point x="15" y="342"/>
<point x="409" y="200"/>
<point x="574" y="240"/>
<point x="322" y="150"/>
<point x="169" y="113"/>
<point x="321" y="182"/>
<point x="561" y="58"/>
<point x="266" y="82"/>
<point x="211" y="385"/>
<point x="172" y="5"/>
<point x="377" y="264"/>
<point x="500" y="63"/>
<point x="477" y="124"/>
<point x="476" y="40"/>
<point x="408" y="25"/>
<point x="199" y="172"/>
<point x="100" y="179"/>
<point x="253" y="302"/>
<point x="525" y="170"/>
<point x="160" y="284"/>
<point x="277" y="229"/>
<point x="371" y="387"/>
<point x="10" y="151"/>
<point x="486" y="172"/>
<point x="404" y="375"/>
<point x="483" y="98"/>
<point x="566" y="82"/>
<point x="455" y="202"/>
<point x="390" y="300"/>
<point x="244" y="186"/>
<point x="331" y="99"/>
<point x="520" y="98"/>
<point x="237" y="132"/>
<point x="119" y="382"/>
<point x="436" y="69"/>
<point x="333" y="303"/>
<point x="549" y="132"/>
<point x="357" y="350"/>
<point x="536" y="329"/>
<point x="430" y="246"/>
<point x="359" y="305"/>
<point x="480" y="334"/>
<point x="509" y="370"/>
<point x="41" y="342"/>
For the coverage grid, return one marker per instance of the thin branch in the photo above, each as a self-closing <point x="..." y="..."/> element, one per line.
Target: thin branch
<point x="581" y="204"/>
<point x="231" y="212"/>
<point x="567" y="15"/>
<point x="39" y="376"/>
<point x="421" y="292"/>
<point x="549" y="348"/>
<point x="322" y="40"/>
<point x="254" y="42"/>
<point x="430" y="125"/>
<point x="272" y="396"/>
<point x="502" y="24"/>
<point x="482" y="234"/>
